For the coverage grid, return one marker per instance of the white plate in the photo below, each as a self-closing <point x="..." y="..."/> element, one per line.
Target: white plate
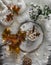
<point x="28" y="45"/>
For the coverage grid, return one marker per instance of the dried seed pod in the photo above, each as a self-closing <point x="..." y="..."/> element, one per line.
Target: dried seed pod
<point x="15" y="9"/>
<point x="9" y="17"/>
<point x="27" y="61"/>
<point x="37" y="34"/>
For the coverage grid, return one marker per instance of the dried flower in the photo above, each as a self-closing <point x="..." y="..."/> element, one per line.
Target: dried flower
<point x="35" y="11"/>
